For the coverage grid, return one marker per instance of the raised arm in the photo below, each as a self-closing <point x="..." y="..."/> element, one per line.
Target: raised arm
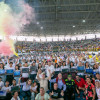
<point x="38" y="76"/>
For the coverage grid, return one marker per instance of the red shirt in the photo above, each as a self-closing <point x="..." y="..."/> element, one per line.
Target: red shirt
<point x="81" y="83"/>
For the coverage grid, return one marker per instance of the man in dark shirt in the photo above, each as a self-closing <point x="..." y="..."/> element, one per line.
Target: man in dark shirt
<point x="56" y="93"/>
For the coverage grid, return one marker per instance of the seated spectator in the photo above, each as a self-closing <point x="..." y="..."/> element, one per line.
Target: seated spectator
<point x="57" y="68"/>
<point x="89" y="90"/>
<point x="25" y="76"/>
<point x="7" y="89"/>
<point x="14" y="83"/>
<point x="98" y="76"/>
<point x="17" y="68"/>
<point x="1" y="83"/>
<point x="60" y="81"/>
<point x="33" y="90"/>
<point x="70" y="88"/>
<point x="87" y="66"/>
<point x="15" y="96"/>
<point x="56" y="93"/>
<point x="17" y="77"/>
<point x="10" y="77"/>
<point x="42" y="95"/>
<point x="64" y="65"/>
<point x="25" y="93"/>
<point x="33" y="73"/>
<point x="1" y="66"/>
<point x="95" y="68"/>
<point x="39" y="66"/>
<point x="72" y="65"/>
<point x="80" y="85"/>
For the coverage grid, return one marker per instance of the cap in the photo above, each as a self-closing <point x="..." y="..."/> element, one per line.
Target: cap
<point x="69" y="75"/>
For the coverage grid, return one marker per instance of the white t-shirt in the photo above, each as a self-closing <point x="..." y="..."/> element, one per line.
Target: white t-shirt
<point x="26" y="87"/>
<point x="99" y="69"/>
<point x="6" y="88"/>
<point x="1" y="84"/>
<point x="14" y="98"/>
<point x="34" y="88"/>
<point x="98" y="93"/>
<point x="57" y="69"/>
<point x="51" y="68"/>
<point x="40" y="76"/>
<point x="64" y="67"/>
<point x="8" y="67"/>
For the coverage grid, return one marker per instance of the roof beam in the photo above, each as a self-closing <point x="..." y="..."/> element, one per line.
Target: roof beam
<point x="60" y="12"/>
<point x="67" y="5"/>
<point x="52" y="20"/>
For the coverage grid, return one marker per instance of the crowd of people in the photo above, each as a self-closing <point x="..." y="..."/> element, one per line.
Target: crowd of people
<point x="83" y="45"/>
<point x="50" y="76"/>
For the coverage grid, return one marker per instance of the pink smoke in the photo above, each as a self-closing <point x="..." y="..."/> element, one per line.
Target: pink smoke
<point x="5" y="49"/>
<point x="14" y="24"/>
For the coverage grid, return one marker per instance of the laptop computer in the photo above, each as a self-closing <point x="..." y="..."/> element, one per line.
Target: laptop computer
<point x="73" y="70"/>
<point x="57" y="72"/>
<point x="2" y="93"/>
<point x="25" y="70"/>
<point x="80" y="69"/>
<point x="90" y="71"/>
<point x="2" y="72"/>
<point x="9" y="71"/>
<point x="17" y="73"/>
<point x="32" y="68"/>
<point x="15" y="88"/>
<point x="65" y="70"/>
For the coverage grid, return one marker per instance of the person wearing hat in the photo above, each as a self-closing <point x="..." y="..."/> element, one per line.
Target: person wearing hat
<point x="43" y="81"/>
<point x="70" y="88"/>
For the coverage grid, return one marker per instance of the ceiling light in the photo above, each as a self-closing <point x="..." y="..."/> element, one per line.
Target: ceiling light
<point x="74" y="26"/>
<point x="41" y="28"/>
<point x="37" y="23"/>
<point x="83" y="21"/>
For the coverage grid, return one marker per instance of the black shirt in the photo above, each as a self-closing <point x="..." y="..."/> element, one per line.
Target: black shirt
<point x="56" y="94"/>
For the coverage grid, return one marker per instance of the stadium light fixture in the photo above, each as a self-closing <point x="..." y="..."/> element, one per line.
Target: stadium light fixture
<point x="37" y="23"/>
<point x="41" y="28"/>
<point x="83" y="21"/>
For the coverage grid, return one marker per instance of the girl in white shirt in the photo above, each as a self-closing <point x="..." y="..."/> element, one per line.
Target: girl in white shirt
<point x="72" y="65"/>
<point x="95" y="68"/>
<point x="33" y="90"/>
<point x="25" y="93"/>
<point x="57" y="68"/>
<point x="64" y="65"/>
<point x="15" y="96"/>
<point x="7" y="90"/>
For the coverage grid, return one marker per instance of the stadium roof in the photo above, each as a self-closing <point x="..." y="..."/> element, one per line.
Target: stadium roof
<point x="64" y="17"/>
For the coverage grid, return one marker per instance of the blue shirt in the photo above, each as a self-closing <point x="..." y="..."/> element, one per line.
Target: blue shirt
<point x="60" y="84"/>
